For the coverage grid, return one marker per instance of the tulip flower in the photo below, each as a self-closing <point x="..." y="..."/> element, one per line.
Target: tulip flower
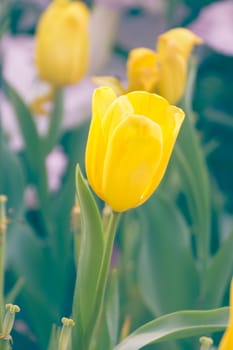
<point x="174" y="49"/>
<point x="227" y="339"/>
<point x="169" y="71"/>
<point x="129" y="145"/>
<point x="163" y="71"/>
<point x="62" y="42"/>
<point x="142" y="70"/>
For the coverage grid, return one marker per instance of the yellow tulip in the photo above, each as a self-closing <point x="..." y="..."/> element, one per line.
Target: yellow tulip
<point x="163" y="71"/>
<point x="173" y="73"/>
<point x="174" y="48"/>
<point x="142" y="69"/>
<point x="62" y="42"/>
<point x="227" y="339"/>
<point x="182" y="40"/>
<point x="130" y="141"/>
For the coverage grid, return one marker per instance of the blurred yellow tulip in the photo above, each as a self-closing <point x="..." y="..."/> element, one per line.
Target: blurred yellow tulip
<point x="181" y="39"/>
<point x="129" y="145"/>
<point x="142" y="69"/>
<point x="163" y="71"/>
<point x="227" y="339"/>
<point x="174" y="48"/>
<point x="62" y="42"/>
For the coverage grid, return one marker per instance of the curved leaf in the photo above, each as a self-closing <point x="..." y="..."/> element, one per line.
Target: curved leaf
<point x="171" y="279"/>
<point x="222" y="261"/>
<point x="54" y="131"/>
<point x="90" y="259"/>
<point x="27" y="126"/>
<point x="177" y="325"/>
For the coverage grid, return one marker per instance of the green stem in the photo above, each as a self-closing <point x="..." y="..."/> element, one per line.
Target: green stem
<point x="194" y="155"/>
<point x="110" y="237"/>
<point x="102" y="283"/>
<point x="2" y="254"/>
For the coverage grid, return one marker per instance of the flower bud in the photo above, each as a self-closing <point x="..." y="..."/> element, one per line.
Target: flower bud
<point x="9" y="319"/>
<point x="65" y="335"/>
<point x="206" y="343"/>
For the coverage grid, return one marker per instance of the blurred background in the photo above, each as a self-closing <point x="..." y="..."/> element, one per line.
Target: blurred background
<point x="117" y="26"/>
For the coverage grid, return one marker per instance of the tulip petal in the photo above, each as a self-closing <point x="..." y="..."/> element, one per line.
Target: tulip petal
<point x="112" y="82"/>
<point x="132" y="158"/>
<point x="174" y="118"/>
<point x="227" y="339"/>
<point x="173" y="68"/>
<point x="119" y="110"/>
<point x="142" y="69"/>
<point x="183" y="41"/>
<point x="151" y="105"/>
<point x="154" y="107"/>
<point x="62" y="43"/>
<point x="96" y="147"/>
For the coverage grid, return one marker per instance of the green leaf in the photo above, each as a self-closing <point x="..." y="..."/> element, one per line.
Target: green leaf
<point x="107" y="328"/>
<point x="90" y="259"/>
<point x="26" y="124"/>
<point x="198" y="194"/>
<point x="12" y="181"/>
<point x="168" y="277"/>
<point x="219" y="273"/>
<point x="33" y="150"/>
<point x="112" y="308"/>
<point x="56" y="115"/>
<point x="30" y="257"/>
<point x="178" y="325"/>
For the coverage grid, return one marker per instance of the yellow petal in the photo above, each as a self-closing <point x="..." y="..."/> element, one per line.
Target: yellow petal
<point x="231" y="303"/>
<point x="62" y="42"/>
<point x="151" y="105"/>
<point x="173" y="74"/>
<point x="183" y="41"/>
<point x="173" y="120"/>
<point x="227" y="339"/>
<point x="132" y="158"/>
<point x="112" y="82"/>
<point x="96" y="146"/>
<point x="119" y="110"/>
<point x="142" y="69"/>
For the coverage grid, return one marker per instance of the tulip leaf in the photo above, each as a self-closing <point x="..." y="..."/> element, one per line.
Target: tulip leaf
<point x="26" y="124"/>
<point x="178" y="325"/>
<point x="199" y="190"/>
<point x="112" y="308"/>
<point x="109" y="326"/>
<point x="166" y="256"/>
<point x="222" y="261"/>
<point x="30" y="257"/>
<point x="12" y="181"/>
<point x="89" y="262"/>
<point x="56" y="115"/>
<point x="33" y="149"/>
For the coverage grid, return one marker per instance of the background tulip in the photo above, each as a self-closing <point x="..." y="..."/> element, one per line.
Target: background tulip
<point x="165" y="70"/>
<point x="142" y="69"/>
<point x="129" y="145"/>
<point x="62" y="42"/>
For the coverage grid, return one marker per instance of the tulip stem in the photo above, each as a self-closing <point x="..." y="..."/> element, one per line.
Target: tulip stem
<point x="101" y="288"/>
<point x="3" y="225"/>
<point x="192" y="149"/>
